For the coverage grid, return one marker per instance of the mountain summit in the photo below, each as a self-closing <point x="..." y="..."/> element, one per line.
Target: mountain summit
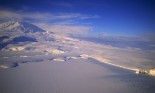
<point x="20" y="26"/>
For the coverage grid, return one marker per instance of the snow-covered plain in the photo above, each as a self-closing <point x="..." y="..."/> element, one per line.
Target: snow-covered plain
<point x="72" y="76"/>
<point x="54" y="63"/>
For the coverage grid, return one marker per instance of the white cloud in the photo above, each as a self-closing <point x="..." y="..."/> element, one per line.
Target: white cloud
<point x="9" y="14"/>
<point x="59" y="23"/>
<point x="65" y="29"/>
<point x="58" y="16"/>
<point x="66" y="22"/>
<point x="44" y="16"/>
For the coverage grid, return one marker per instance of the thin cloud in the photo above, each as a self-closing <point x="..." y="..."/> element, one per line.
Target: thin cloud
<point x="63" y="23"/>
<point x="9" y="14"/>
<point x="65" y="29"/>
<point x="58" y="16"/>
<point x="44" y="16"/>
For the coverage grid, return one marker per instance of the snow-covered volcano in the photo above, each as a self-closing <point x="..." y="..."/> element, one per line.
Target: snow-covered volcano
<point x="15" y="32"/>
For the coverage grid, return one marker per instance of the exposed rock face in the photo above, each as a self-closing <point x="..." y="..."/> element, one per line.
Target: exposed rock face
<point x="55" y="51"/>
<point x="84" y="56"/>
<point x="142" y="71"/>
<point x="152" y="72"/>
<point x="17" y="48"/>
<point x="146" y="71"/>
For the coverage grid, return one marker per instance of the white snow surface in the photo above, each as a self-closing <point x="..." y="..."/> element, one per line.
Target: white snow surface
<point x="61" y="64"/>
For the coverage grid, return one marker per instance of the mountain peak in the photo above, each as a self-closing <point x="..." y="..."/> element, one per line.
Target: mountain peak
<point x="20" y="26"/>
<point x="9" y="25"/>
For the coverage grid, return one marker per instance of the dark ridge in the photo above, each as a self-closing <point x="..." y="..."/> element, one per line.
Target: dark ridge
<point x="15" y="65"/>
<point x="23" y="39"/>
<point x="3" y="37"/>
<point x="3" y="45"/>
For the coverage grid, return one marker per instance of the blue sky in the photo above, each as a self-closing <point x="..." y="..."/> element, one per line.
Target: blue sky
<point x="113" y="17"/>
